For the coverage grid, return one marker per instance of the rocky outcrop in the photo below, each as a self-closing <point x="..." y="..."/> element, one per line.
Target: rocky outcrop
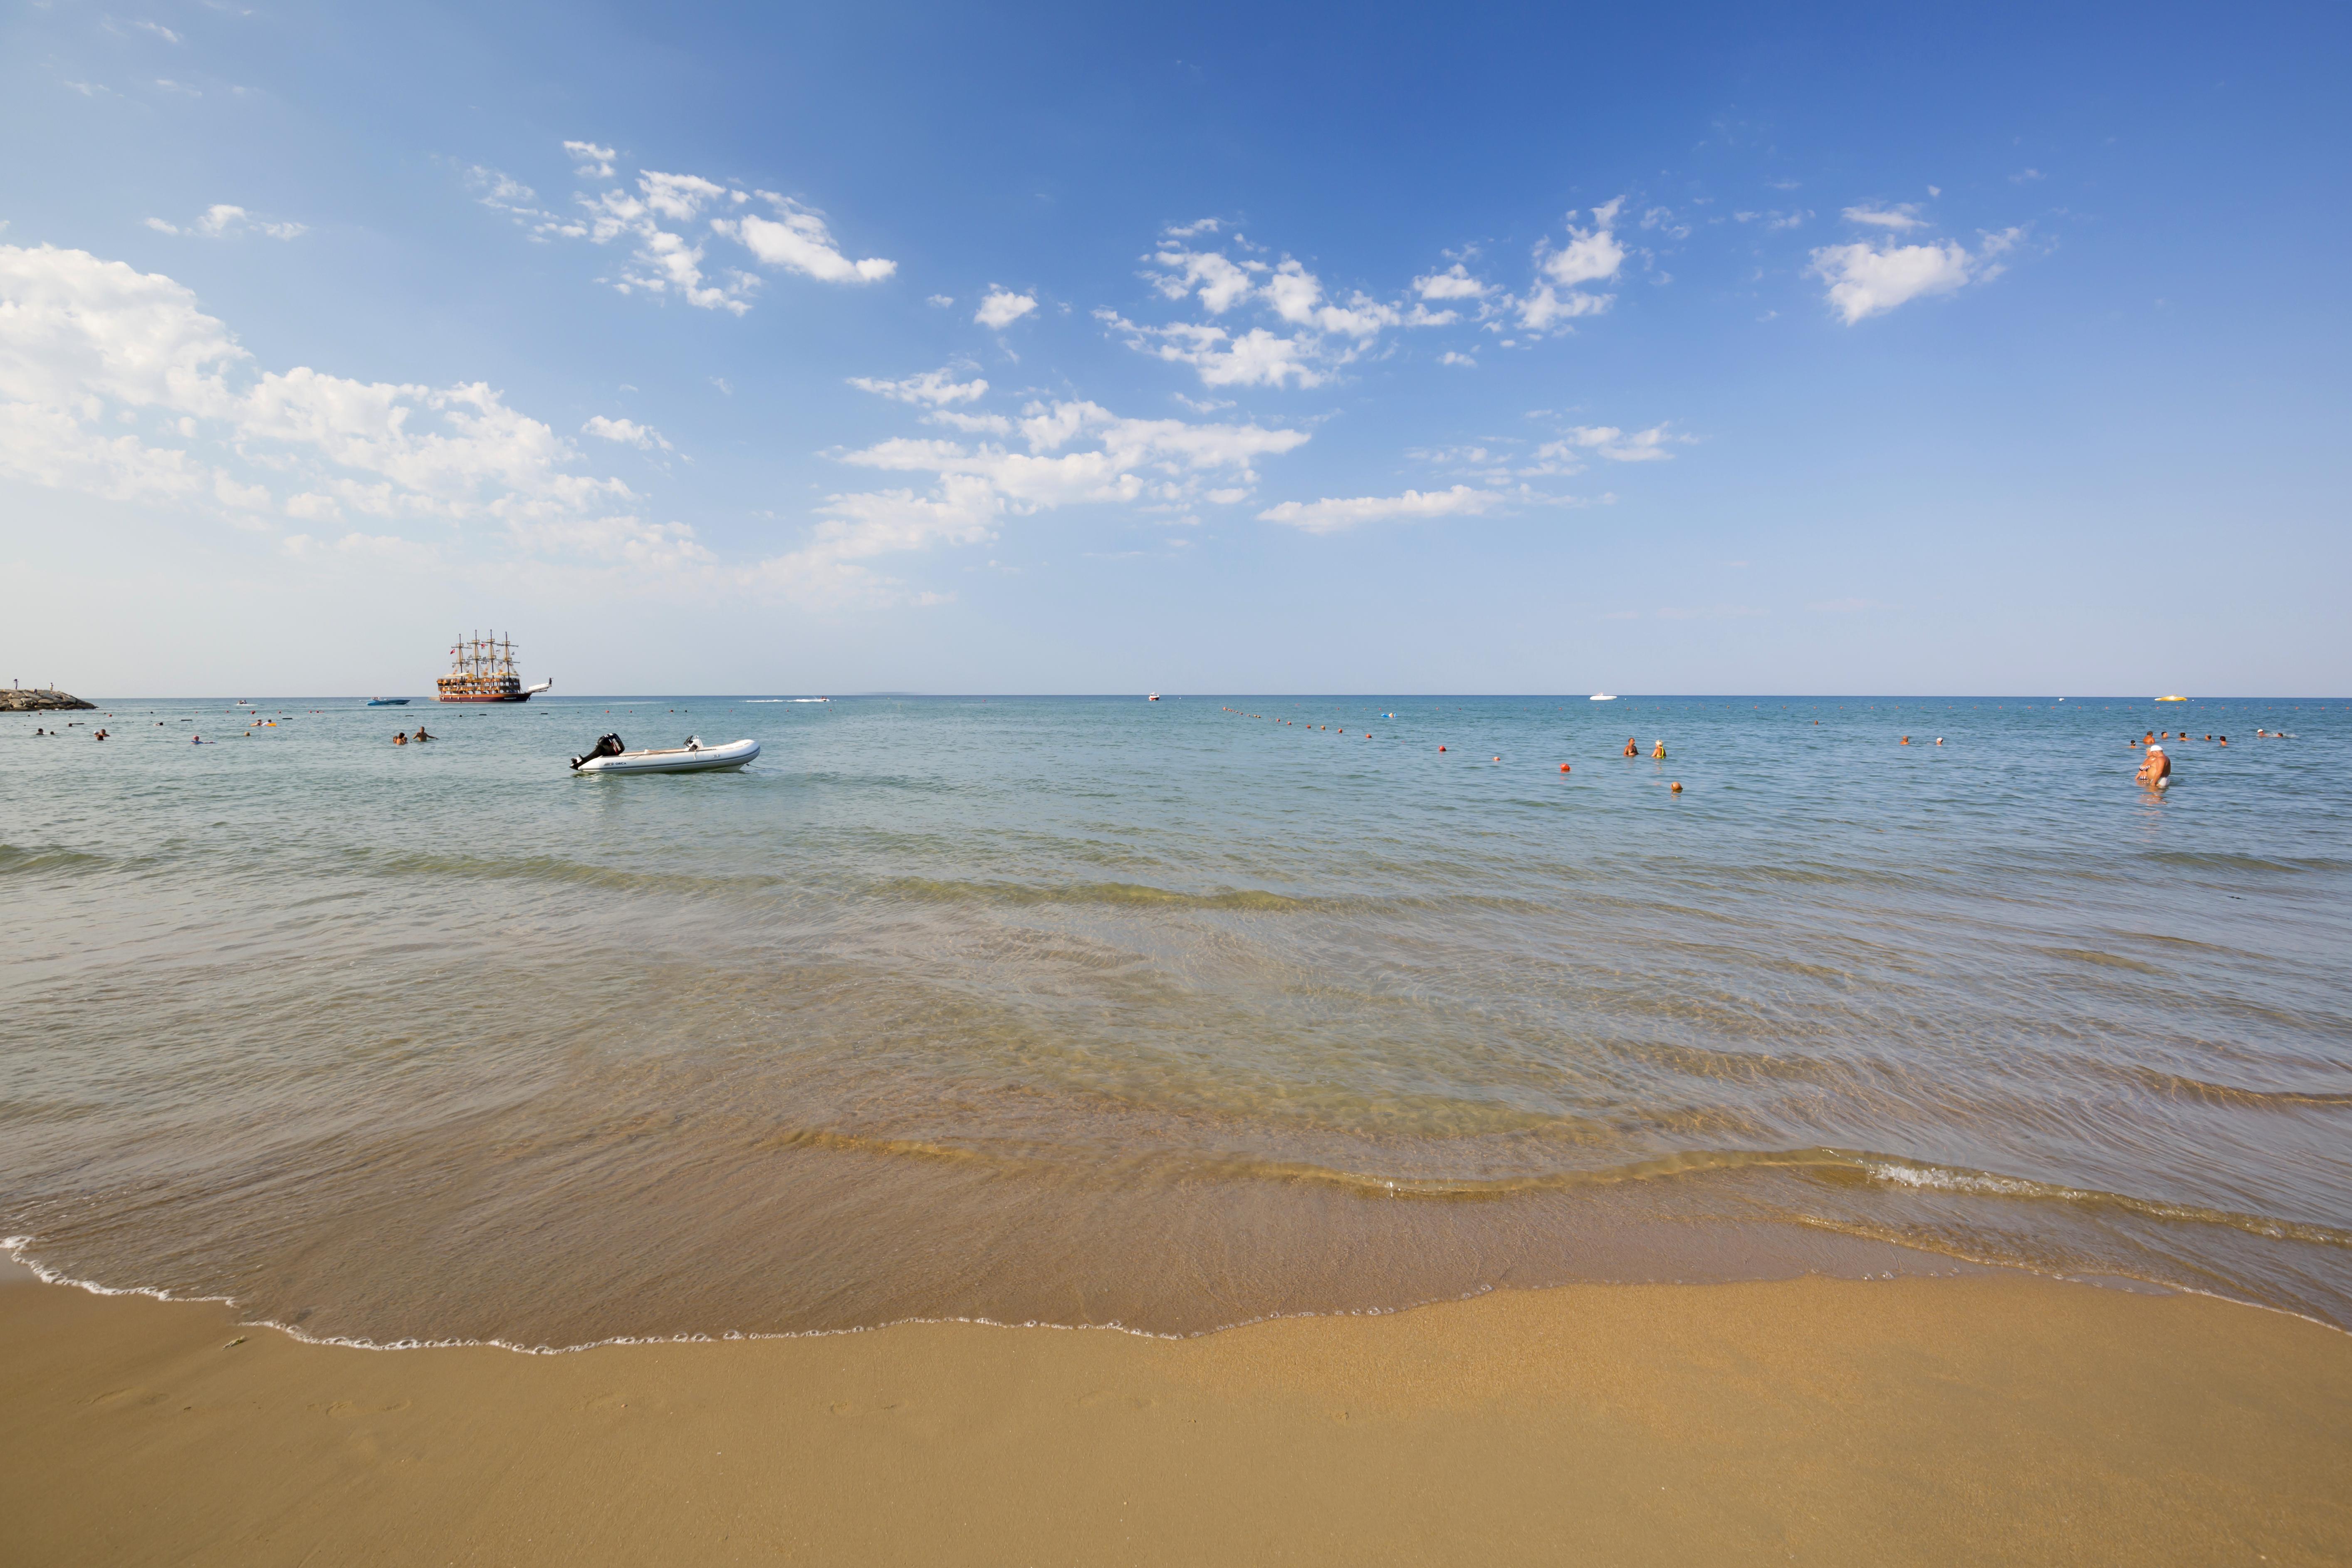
<point x="18" y="699"/>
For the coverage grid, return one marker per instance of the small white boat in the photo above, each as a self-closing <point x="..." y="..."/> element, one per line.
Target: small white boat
<point x="1601" y="697"/>
<point x="694" y="757"/>
<point x="1153" y="697"/>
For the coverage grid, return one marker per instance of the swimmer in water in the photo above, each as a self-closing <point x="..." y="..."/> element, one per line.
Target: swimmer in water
<point x="1658" y="753"/>
<point x="1633" y="747"/>
<point x="1906" y="740"/>
<point x="420" y="734"/>
<point x="2155" y="769"/>
<point x="2225" y="740"/>
<point x="399" y="739"/>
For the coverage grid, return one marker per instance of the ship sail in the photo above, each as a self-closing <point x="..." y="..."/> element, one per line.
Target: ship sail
<point x="483" y="670"/>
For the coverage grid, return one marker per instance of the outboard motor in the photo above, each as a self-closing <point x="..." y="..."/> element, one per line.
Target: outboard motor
<point x="607" y="746"/>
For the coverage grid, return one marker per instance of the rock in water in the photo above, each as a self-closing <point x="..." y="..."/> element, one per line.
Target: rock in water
<point x="17" y="700"/>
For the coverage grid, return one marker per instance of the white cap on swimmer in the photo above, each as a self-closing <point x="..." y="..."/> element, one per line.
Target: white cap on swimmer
<point x="2155" y="748"/>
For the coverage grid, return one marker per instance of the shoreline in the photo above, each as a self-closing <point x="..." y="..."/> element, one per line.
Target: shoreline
<point x="1984" y="1418"/>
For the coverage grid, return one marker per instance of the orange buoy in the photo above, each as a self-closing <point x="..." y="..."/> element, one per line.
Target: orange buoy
<point x="1441" y="747"/>
<point x="1563" y="767"/>
<point x="1499" y="759"/>
<point x="1677" y="787"/>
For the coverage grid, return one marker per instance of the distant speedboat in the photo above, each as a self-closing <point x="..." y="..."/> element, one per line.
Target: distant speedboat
<point x="608" y="756"/>
<point x="388" y="701"/>
<point x="2172" y="699"/>
<point x="1153" y="697"/>
<point x="1601" y="697"/>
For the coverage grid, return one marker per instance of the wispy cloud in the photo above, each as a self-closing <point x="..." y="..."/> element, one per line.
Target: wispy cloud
<point x="936" y="388"/>
<point x="627" y="432"/>
<point x="1902" y="217"/>
<point x="669" y="221"/>
<point x="1333" y="515"/>
<point x="222" y="219"/>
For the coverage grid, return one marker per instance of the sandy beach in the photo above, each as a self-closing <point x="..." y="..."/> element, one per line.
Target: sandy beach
<point x="1985" y="1418"/>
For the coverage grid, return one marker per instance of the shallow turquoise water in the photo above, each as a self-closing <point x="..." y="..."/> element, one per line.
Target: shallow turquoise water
<point x="1171" y="1015"/>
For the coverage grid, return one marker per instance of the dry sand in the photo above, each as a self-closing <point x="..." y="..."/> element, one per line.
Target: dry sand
<point x="1979" y="1419"/>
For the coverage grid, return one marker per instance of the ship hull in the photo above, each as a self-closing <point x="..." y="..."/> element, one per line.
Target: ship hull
<point x="497" y="697"/>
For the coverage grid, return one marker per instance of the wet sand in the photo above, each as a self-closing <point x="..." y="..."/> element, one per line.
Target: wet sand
<point x="1991" y="1418"/>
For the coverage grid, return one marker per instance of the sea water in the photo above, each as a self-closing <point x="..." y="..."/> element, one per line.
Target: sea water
<point x="1165" y="1014"/>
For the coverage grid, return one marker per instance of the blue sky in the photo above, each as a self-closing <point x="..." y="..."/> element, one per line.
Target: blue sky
<point x="1249" y="348"/>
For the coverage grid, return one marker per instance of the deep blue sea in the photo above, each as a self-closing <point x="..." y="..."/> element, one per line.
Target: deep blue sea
<point x="1171" y="1015"/>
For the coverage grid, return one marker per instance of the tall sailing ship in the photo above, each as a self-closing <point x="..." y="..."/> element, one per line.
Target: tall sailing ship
<point x="482" y="669"/>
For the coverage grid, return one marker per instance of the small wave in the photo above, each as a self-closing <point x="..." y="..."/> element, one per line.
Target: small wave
<point x="1984" y="1183"/>
<point x="2105" y="960"/>
<point x="554" y="869"/>
<point x="2211" y="860"/>
<point x="1250" y="900"/>
<point x="2180" y="1088"/>
<point x="16" y="859"/>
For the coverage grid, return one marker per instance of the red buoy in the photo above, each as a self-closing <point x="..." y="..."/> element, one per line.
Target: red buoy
<point x="1563" y="767"/>
<point x="1441" y="747"/>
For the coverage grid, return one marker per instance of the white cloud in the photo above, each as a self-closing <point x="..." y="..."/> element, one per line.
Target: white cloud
<point x="2024" y="176"/>
<point x="222" y="219"/>
<point x="1257" y="358"/>
<point x="154" y="29"/>
<point x="1590" y="255"/>
<point x="1450" y="357"/>
<point x="589" y="161"/>
<point x="1610" y="442"/>
<point x="940" y="301"/>
<point x="798" y="240"/>
<point x="1187" y="230"/>
<point x="936" y="387"/>
<point x="627" y="432"/>
<point x="999" y="308"/>
<point x="1453" y="283"/>
<point x="665" y="261"/>
<point x="1316" y="333"/>
<point x="1076" y="453"/>
<point x="680" y="196"/>
<point x="1221" y="283"/>
<point x="1331" y="516"/>
<point x="1865" y="281"/>
<point x="1902" y="217"/>
<point x="970" y="423"/>
<point x="113" y="383"/>
<point x="1546" y="308"/>
<point x="1067" y="453"/>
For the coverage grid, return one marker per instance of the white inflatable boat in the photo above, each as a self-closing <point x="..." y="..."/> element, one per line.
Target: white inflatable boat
<point x="694" y="757"/>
